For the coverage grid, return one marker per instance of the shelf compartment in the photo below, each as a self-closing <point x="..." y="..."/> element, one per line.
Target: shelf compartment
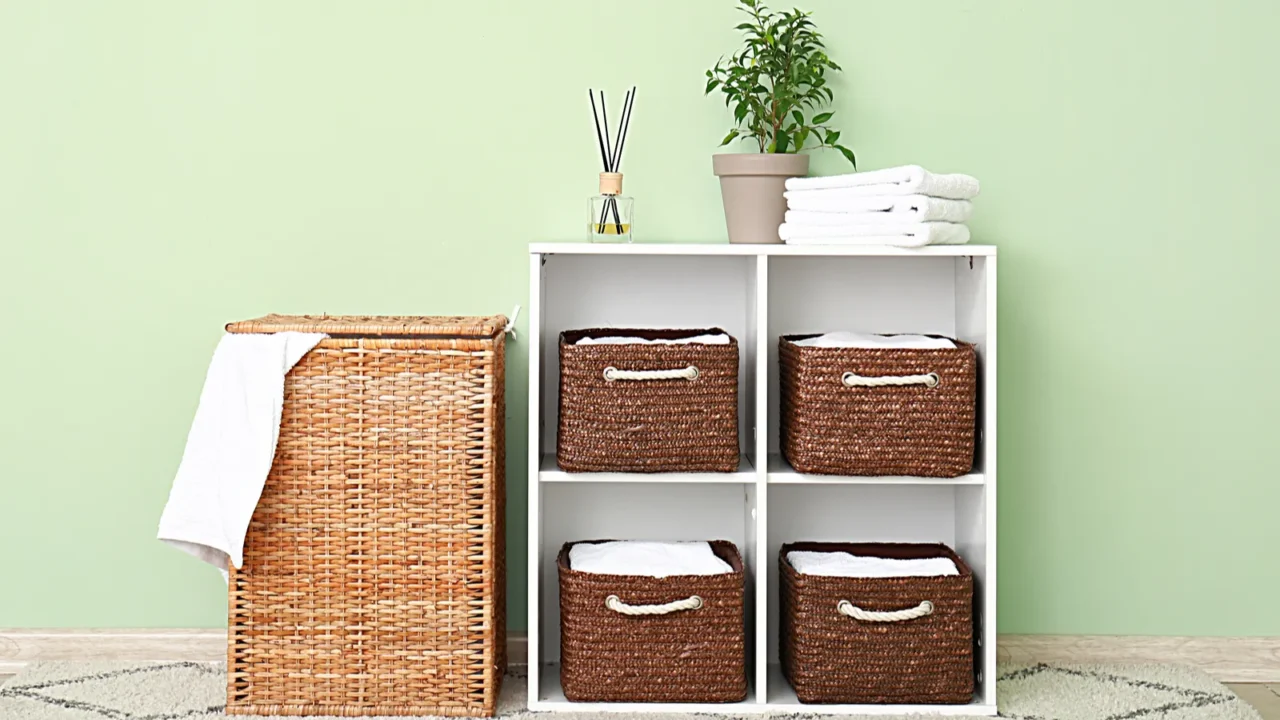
<point x="550" y="472"/>
<point x="574" y="511"/>
<point x="781" y="473"/>
<point x="954" y="515"/>
<point x="600" y="291"/>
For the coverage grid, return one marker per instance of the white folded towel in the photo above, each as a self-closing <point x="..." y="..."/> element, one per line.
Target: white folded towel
<point x="904" y="180"/>
<point x="231" y="445"/>
<point x="718" y="339"/>
<point x="900" y="234"/>
<point x="837" y="207"/>
<point x="648" y="559"/>
<point x="871" y="341"/>
<point x="842" y="564"/>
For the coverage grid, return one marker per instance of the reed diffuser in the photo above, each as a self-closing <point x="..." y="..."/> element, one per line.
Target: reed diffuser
<point x="610" y="217"/>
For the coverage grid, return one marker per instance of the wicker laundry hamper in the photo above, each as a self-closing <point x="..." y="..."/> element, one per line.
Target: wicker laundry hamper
<point x="648" y="408"/>
<point x="900" y="640"/>
<point x="626" y="638"/>
<point x="856" y="411"/>
<point x="373" y="579"/>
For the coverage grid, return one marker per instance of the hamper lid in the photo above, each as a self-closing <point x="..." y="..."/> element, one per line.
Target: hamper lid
<point x="375" y="325"/>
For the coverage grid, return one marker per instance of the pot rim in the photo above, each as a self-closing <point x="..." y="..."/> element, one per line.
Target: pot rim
<point x="755" y="163"/>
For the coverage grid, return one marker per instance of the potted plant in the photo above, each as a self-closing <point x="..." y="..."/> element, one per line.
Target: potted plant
<point x="777" y="88"/>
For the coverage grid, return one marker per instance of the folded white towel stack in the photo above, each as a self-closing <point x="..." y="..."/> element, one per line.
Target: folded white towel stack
<point x="718" y="339"/>
<point x="905" y="206"/>
<point x="869" y="341"/>
<point x="648" y="559"/>
<point x="843" y="564"/>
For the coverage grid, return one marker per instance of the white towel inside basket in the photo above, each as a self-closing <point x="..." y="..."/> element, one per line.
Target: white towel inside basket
<point x="648" y="559"/>
<point x="872" y="341"/>
<point x="842" y="564"/>
<point x="714" y="339"/>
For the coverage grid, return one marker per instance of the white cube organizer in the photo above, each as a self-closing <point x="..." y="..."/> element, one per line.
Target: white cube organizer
<point x="758" y="293"/>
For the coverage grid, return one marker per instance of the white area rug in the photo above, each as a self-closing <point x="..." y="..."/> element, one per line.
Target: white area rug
<point x="190" y="691"/>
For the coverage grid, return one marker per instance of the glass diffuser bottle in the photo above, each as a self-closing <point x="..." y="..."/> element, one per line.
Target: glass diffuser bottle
<point x="611" y="211"/>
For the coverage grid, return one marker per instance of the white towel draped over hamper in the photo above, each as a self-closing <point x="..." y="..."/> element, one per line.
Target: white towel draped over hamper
<point x="231" y="445"/>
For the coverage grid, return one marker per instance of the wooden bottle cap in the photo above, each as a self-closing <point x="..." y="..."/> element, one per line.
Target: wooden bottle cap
<point x="610" y="183"/>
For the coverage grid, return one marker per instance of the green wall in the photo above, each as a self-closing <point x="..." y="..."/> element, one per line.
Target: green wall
<point x="166" y="167"/>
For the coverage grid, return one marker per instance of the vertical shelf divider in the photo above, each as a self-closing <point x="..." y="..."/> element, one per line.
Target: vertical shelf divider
<point x="761" y="463"/>
<point x="533" y="629"/>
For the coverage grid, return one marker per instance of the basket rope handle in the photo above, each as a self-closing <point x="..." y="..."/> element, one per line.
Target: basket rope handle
<point x="614" y="603"/>
<point x="847" y="608"/>
<point x="687" y="373"/>
<point x="854" y="380"/>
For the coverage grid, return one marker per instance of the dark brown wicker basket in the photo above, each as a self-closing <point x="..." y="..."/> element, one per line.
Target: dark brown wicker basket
<point x="832" y="658"/>
<point x="923" y="429"/>
<point x="675" y="425"/>
<point x="693" y="655"/>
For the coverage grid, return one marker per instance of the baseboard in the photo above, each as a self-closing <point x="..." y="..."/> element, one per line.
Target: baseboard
<point x="21" y="646"/>
<point x="1229" y="659"/>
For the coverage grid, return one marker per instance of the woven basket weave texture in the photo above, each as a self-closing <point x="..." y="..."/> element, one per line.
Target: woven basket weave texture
<point x="681" y="425"/>
<point x="830" y="429"/>
<point x="373" y="581"/>
<point x="694" y="655"/>
<point x="831" y="658"/>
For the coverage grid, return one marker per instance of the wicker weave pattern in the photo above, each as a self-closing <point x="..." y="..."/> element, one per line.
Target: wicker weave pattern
<point x="446" y="326"/>
<point x="647" y="426"/>
<point x="831" y="658"/>
<point x="830" y="429"/>
<point x="374" y="581"/>
<point x="685" y="656"/>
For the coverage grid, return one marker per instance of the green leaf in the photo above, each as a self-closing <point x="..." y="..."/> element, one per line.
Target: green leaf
<point x="801" y="137"/>
<point x="832" y="137"/>
<point x="848" y="155"/>
<point x="711" y="85"/>
<point x="780" y="145"/>
<point x="822" y="117"/>
<point x="740" y="111"/>
<point x="799" y="117"/>
<point x="729" y="138"/>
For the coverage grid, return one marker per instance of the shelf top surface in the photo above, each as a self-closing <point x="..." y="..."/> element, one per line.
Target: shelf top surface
<point x="587" y="248"/>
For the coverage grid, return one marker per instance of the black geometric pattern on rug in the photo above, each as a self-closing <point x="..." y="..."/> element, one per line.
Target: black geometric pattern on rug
<point x="1190" y="698"/>
<point x="32" y="692"/>
<point x="1185" y="698"/>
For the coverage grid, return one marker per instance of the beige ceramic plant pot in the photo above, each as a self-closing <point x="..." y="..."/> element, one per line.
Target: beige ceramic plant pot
<point x="751" y="185"/>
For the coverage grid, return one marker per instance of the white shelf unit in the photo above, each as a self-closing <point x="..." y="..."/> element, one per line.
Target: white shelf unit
<point x="757" y="293"/>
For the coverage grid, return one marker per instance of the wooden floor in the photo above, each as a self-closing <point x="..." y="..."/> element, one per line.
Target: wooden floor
<point x="1266" y="698"/>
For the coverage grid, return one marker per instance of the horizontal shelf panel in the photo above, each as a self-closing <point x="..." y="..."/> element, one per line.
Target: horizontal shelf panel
<point x="781" y="473"/>
<point x="782" y="699"/>
<point x="586" y="248"/>
<point x="549" y="471"/>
